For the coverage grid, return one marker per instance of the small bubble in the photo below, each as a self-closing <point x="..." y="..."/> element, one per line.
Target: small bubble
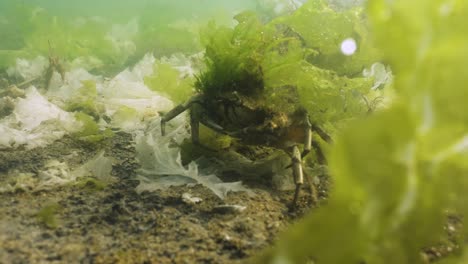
<point x="348" y="46"/>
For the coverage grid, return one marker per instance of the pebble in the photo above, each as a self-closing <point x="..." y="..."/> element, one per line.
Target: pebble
<point x="228" y="209"/>
<point x="189" y="199"/>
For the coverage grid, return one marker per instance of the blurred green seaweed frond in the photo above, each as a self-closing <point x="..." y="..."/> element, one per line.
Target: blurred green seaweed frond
<point x="400" y="173"/>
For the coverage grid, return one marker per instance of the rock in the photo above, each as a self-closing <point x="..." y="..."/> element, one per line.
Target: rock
<point x="189" y="199"/>
<point x="228" y="209"/>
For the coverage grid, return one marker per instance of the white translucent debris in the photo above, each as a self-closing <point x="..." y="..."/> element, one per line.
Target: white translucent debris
<point x="123" y="87"/>
<point x="161" y="164"/>
<point x="35" y="109"/>
<point x="75" y="78"/>
<point x="35" y="122"/>
<point x="137" y="74"/>
<point x="382" y="75"/>
<point x="127" y="92"/>
<point x="188" y="66"/>
<point x="189" y="199"/>
<point x="143" y="109"/>
<point x="88" y="63"/>
<point x="143" y="68"/>
<point x="99" y="167"/>
<point x="29" y="69"/>
<point x="64" y="91"/>
<point x="54" y="173"/>
<point x="16" y="180"/>
<point x="124" y="98"/>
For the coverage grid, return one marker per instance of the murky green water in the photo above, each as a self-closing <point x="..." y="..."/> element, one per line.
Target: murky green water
<point x="163" y="27"/>
<point x="284" y="90"/>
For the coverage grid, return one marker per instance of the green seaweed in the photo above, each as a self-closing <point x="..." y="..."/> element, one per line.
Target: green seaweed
<point x="124" y="115"/>
<point x="285" y="67"/>
<point x="85" y="106"/>
<point x="233" y="57"/>
<point x="168" y="81"/>
<point x="85" y="100"/>
<point x="90" y="131"/>
<point x="91" y="184"/>
<point x="323" y="29"/>
<point x="399" y="172"/>
<point x="48" y="215"/>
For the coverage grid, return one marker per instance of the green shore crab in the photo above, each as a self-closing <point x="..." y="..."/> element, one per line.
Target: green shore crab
<point x="253" y="120"/>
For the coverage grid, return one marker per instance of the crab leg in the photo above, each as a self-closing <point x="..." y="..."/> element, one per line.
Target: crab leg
<point x="318" y="150"/>
<point x="322" y="133"/>
<point x="195" y="128"/>
<point x="307" y="141"/>
<point x="312" y="189"/>
<point x="213" y="126"/>
<point x="320" y="156"/>
<point x="297" y="172"/>
<point x="307" y="138"/>
<point x="177" y="111"/>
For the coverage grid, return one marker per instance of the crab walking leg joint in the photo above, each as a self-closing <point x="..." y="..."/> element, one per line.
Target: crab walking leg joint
<point x="297" y="172"/>
<point x="307" y="138"/>
<point x="177" y="111"/>
<point x="195" y="129"/>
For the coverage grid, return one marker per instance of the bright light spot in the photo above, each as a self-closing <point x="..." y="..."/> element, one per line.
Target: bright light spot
<point x="446" y="9"/>
<point x="462" y="145"/>
<point x="348" y="46"/>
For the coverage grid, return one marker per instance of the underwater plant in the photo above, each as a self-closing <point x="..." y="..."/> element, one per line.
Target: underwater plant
<point x="398" y="172"/>
<point x="261" y="86"/>
<point x="401" y="172"/>
<point x="268" y="59"/>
